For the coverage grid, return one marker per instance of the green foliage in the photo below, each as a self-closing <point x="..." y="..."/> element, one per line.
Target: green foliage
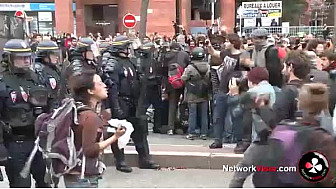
<point x="291" y="9"/>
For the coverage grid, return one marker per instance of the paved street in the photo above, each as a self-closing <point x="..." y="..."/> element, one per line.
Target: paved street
<point x="201" y="178"/>
<point x="176" y="151"/>
<point x="173" y="151"/>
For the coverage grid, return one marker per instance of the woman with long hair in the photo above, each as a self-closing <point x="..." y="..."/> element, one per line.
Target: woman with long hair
<point x="89" y="90"/>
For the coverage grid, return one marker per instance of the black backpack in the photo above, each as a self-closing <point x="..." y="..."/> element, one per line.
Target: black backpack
<point x="199" y="87"/>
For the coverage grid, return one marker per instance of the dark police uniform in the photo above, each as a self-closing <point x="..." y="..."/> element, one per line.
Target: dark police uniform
<point x="22" y="99"/>
<point x="121" y="78"/>
<point x="150" y="82"/>
<point x="48" y="73"/>
<point x="79" y="62"/>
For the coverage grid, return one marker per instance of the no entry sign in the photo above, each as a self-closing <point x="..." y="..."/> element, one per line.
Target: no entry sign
<point x="129" y="21"/>
<point x="20" y="14"/>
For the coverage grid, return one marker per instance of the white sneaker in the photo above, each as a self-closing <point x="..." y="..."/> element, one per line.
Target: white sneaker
<point x="170" y="132"/>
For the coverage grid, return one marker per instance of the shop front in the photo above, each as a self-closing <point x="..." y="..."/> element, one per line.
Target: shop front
<point x="43" y="15"/>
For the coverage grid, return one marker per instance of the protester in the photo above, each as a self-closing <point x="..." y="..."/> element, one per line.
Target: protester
<point x="228" y="66"/>
<point x="88" y="89"/>
<point x="196" y="75"/>
<point x="305" y="137"/>
<point x="251" y="88"/>
<point x="266" y="55"/>
<point x="259" y="100"/>
<point x="175" y="60"/>
<point x="295" y="71"/>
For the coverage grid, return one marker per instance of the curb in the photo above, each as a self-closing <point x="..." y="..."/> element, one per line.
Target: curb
<point x="180" y="159"/>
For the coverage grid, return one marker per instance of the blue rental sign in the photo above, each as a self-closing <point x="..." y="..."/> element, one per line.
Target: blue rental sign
<point x="30" y="6"/>
<point x="42" y="6"/>
<point x="46" y="6"/>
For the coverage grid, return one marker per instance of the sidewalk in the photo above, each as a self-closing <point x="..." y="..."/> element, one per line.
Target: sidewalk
<point x="176" y="151"/>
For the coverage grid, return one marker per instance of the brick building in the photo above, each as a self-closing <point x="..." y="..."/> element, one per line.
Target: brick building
<point x="105" y="16"/>
<point x="161" y="13"/>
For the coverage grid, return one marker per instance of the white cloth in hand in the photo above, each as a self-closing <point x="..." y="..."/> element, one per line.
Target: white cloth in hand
<point x="123" y="140"/>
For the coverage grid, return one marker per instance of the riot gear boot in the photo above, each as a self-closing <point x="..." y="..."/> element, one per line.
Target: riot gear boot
<point x="120" y="159"/>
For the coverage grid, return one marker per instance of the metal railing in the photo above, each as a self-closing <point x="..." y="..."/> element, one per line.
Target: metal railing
<point x="291" y="31"/>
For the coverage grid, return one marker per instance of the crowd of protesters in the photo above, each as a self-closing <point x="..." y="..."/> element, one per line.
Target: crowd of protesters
<point x="218" y="85"/>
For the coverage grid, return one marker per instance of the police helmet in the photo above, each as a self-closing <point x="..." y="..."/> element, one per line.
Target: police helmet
<point x="17" y="47"/>
<point x="121" y="42"/>
<point x="84" y="44"/>
<point x="148" y="46"/>
<point x="13" y="48"/>
<point x="104" y="46"/>
<point x="47" y="47"/>
<point x="197" y="53"/>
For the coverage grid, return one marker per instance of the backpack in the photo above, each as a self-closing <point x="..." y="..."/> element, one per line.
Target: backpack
<point x="287" y="144"/>
<point x="55" y="139"/>
<point x="198" y="87"/>
<point x="175" y="72"/>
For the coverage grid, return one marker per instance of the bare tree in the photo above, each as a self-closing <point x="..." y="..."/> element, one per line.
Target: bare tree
<point x="143" y="18"/>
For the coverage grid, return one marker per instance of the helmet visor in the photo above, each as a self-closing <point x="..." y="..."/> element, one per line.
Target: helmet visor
<point x="23" y="62"/>
<point x="22" y="54"/>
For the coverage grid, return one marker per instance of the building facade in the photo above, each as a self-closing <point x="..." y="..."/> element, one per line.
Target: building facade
<point x="105" y="16"/>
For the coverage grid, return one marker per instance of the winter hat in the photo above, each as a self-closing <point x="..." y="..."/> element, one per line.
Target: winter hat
<point x="259" y="33"/>
<point x="256" y="75"/>
<point x="314" y="98"/>
<point x="175" y="46"/>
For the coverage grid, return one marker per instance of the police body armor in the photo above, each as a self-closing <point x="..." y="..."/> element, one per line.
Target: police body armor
<point x="78" y="66"/>
<point x="79" y="62"/>
<point x="51" y="78"/>
<point x="24" y="100"/>
<point x="148" y="67"/>
<point x="121" y="78"/>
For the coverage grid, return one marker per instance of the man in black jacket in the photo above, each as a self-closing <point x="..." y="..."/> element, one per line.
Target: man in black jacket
<point x="295" y="70"/>
<point x="176" y="55"/>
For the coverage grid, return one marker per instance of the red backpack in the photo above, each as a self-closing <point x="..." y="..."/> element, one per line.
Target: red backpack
<point x="175" y="72"/>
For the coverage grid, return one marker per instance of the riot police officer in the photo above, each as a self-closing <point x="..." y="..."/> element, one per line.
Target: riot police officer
<point x="150" y="79"/>
<point x="122" y="80"/>
<point x="47" y="68"/>
<point x="22" y="98"/>
<point x="82" y="57"/>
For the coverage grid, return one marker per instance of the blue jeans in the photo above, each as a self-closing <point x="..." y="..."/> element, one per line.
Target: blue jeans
<point x="198" y="111"/>
<point x="236" y="113"/>
<point x="74" y="181"/>
<point x="220" y="110"/>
